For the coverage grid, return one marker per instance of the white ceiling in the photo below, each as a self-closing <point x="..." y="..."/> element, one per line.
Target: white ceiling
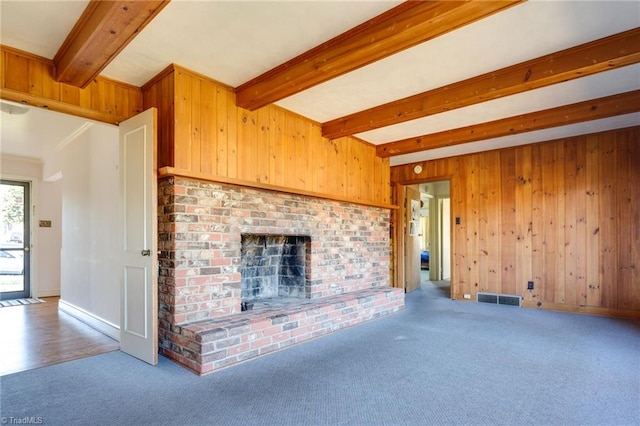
<point x="234" y="41"/>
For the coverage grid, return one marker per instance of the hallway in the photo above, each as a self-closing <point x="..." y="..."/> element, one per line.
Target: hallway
<point x="33" y="336"/>
<point x="435" y="289"/>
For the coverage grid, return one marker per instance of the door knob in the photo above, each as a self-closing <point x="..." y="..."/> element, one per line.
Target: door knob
<point x="146" y="252"/>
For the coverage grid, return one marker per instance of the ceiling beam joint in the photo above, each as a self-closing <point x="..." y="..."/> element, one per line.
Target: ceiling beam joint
<point x="103" y="30"/>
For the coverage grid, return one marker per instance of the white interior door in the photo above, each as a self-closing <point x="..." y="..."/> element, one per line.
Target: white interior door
<point x="139" y="280"/>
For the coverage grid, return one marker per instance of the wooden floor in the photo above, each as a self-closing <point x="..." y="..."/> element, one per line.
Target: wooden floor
<point x="33" y="336"/>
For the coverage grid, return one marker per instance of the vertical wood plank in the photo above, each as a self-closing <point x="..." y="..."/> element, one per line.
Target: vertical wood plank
<point x="123" y="106"/>
<point x="560" y="192"/>
<point x="208" y="126"/>
<point x="97" y="95"/>
<point x="623" y="280"/>
<point x="523" y="218"/>
<point x="507" y="223"/>
<point x="549" y="211"/>
<point x="50" y="87"/>
<point x="538" y="252"/>
<point x="473" y="225"/>
<point x="273" y="144"/>
<point x="299" y="160"/>
<point x="263" y="145"/>
<point x="460" y="281"/>
<point x="291" y="173"/>
<point x="608" y="230"/>
<point x="333" y="159"/>
<point x="87" y="97"/>
<point x="195" y="135"/>
<point x="592" y="246"/>
<point x="71" y="95"/>
<point x="279" y="153"/>
<point x="16" y="68"/>
<point x="482" y="208"/>
<point x="581" y="231"/>
<point x="318" y="147"/>
<point x="493" y="217"/>
<point x="109" y="98"/>
<point x="36" y="78"/>
<point x="354" y="171"/>
<point x="247" y="145"/>
<point x="295" y="153"/>
<point x="183" y="143"/>
<point x="367" y="174"/>
<point x="385" y="164"/>
<point x="120" y="101"/>
<point x="221" y="130"/>
<point x="570" y="223"/>
<point x="310" y="162"/>
<point x="168" y="98"/>
<point x="342" y="167"/>
<point x="232" y="136"/>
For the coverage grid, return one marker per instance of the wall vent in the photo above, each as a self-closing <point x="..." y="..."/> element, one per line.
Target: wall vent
<point x="499" y="299"/>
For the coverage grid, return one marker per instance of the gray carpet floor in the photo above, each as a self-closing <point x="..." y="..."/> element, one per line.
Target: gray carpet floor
<point x="438" y="362"/>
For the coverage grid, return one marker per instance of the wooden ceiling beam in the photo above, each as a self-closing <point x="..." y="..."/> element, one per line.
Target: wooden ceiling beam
<point x="103" y="30"/>
<point x="404" y="26"/>
<point x="604" y="54"/>
<point x="609" y="106"/>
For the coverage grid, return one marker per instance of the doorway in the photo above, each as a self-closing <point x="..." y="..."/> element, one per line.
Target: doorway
<point x="426" y="247"/>
<point x="436" y="216"/>
<point x="15" y="246"/>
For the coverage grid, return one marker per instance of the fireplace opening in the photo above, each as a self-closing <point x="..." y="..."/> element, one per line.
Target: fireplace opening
<point x="272" y="267"/>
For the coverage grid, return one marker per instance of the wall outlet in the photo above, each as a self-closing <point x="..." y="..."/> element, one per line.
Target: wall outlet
<point x="530" y="285"/>
<point x="467" y="296"/>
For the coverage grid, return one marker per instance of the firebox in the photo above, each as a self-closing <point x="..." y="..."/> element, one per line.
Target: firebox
<point x="272" y="266"/>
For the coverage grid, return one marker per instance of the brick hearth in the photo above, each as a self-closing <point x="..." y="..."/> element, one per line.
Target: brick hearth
<point x="201" y="225"/>
<point x="207" y="346"/>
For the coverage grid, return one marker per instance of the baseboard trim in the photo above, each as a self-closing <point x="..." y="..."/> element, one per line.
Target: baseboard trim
<point x="587" y="310"/>
<point x="590" y="310"/>
<point x="93" y="321"/>
<point x="48" y="293"/>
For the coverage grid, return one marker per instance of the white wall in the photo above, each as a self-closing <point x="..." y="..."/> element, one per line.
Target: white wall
<point x="46" y="204"/>
<point x="88" y="167"/>
<point x="50" y="239"/>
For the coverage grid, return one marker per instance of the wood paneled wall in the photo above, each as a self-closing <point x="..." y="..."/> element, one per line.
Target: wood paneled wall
<point x="27" y="78"/>
<point x="564" y="214"/>
<point x="203" y="131"/>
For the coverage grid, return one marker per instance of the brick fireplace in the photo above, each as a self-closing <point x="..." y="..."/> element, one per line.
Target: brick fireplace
<point x="307" y="267"/>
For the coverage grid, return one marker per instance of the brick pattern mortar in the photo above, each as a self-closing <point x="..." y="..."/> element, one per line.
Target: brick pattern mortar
<point x="200" y="228"/>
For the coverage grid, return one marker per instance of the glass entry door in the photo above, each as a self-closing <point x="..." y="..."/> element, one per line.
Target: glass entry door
<point x="14" y="240"/>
